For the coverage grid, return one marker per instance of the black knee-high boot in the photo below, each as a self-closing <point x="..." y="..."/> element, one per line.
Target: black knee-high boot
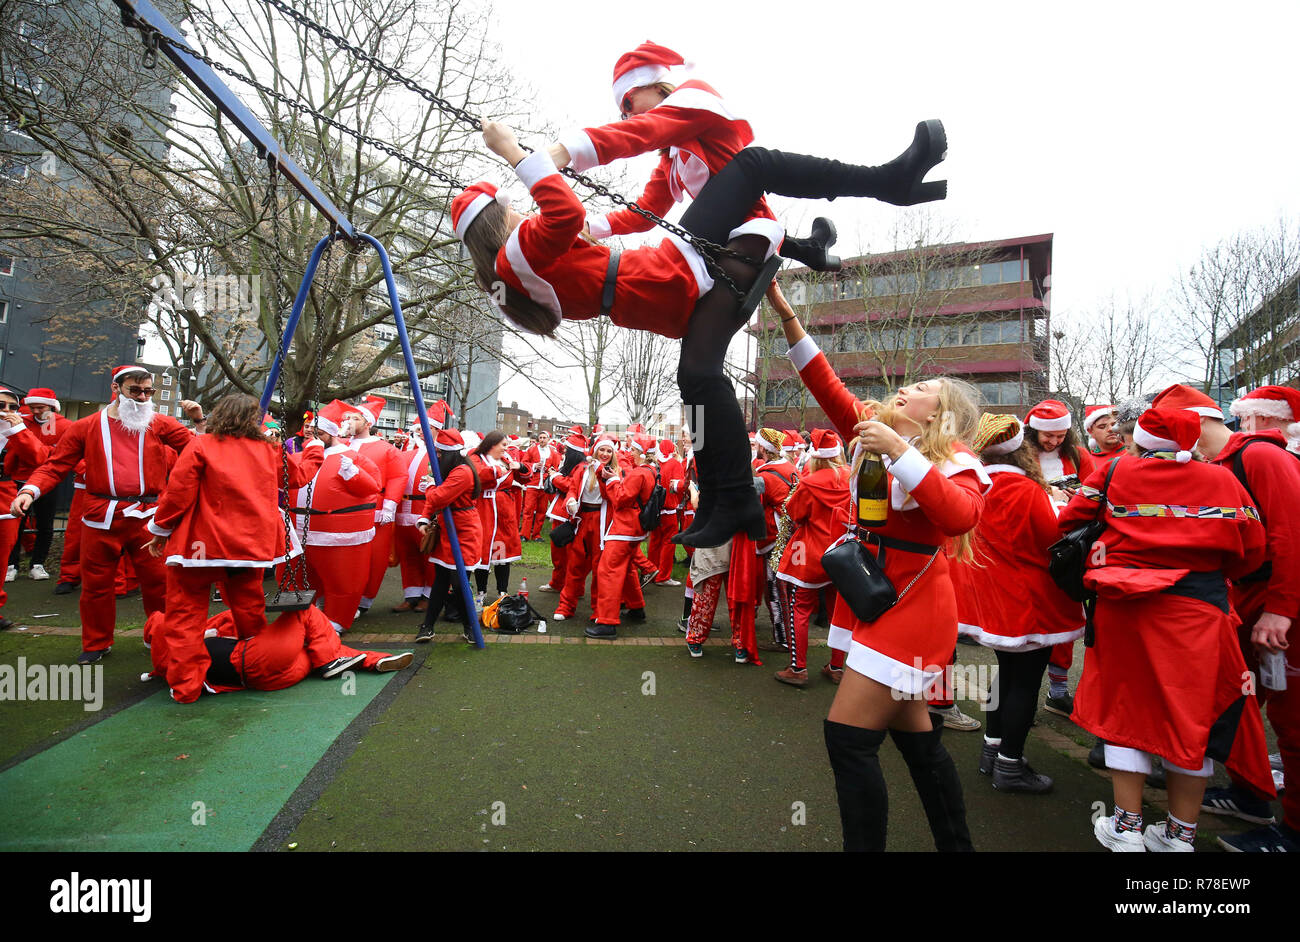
<point x="935" y="776"/>
<point x="859" y="784"/>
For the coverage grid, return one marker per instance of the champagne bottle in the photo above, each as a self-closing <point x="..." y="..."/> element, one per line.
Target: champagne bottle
<point x="873" y="494"/>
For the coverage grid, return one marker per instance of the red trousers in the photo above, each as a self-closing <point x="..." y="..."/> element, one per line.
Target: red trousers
<point x="338" y="574"/>
<point x="583" y="558"/>
<point x="415" y="566"/>
<point x="101" y="551"/>
<point x="535" y="501"/>
<point x="178" y="649"/>
<point x="616" y="569"/>
<point x="8" y="536"/>
<point x="381" y="548"/>
<point x="662" y="547"/>
<point x="290" y="648"/>
<point x="70" y="562"/>
<point x="704" y="604"/>
<point x="1058" y="665"/>
<point x="800" y="604"/>
<point x="641" y="561"/>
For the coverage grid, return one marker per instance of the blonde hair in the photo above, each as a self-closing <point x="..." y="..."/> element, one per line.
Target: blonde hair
<point x="484" y="238"/>
<point x="821" y="464"/>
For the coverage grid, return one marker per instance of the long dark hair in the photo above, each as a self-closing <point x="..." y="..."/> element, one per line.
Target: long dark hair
<point x="1023" y="458"/>
<point x="484" y="238"/>
<point x="237" y="416"/>
<point x="1068" y="448"/>
<point x="448" y="460"/>
<point x="490" y="441"/>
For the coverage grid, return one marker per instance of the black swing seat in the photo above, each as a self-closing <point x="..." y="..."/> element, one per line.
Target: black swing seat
<point x="291" y="600"/>
<point x="759" y="288"/>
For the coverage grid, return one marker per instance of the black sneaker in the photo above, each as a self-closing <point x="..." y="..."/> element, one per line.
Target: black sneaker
<point x="92" y="657"/>
<point x="1097" y="755"/>
<point x="1061" y="706"/>
<point x="1015" y="775"/>
<point x="601" y="632"/>
<point x="682" y="625"/>
<point x="64" y="588"/>
<point x="1237" y="804"/>
<point x="1273" y="839"/>
<point x="648" y="577"/>
<point x="340" y="664"/>
<point x="634" y="616"/>
<point x="425" y="634"/>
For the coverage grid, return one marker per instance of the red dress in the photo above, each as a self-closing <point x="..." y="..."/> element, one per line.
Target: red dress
<point x="456" y="492"/>
<point x="908" y="646"/>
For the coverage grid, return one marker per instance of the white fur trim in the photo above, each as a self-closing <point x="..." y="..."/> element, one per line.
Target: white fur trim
<point x="1004" y="469"/>
<point x="910" y="468"/>
<point x="534" y="168"/>
<point x="697" y="99"/>
<point x="1051" y="425"/>
<point x="828" y="452"/>
<point x="479" y="203"/>
<point x="803" y="352"/>
<point x="582" y="153"/>
<point x="1263" y="408"/>
<point x="1208" y="412"/>
<point x="1010" y="445"/>
<point x="42" y="401"/>
<point x="1097" y="414"/>
<point x="327" y="426"/>
<point x="1145" y="439"/>
<point x="157" y="530"/>
<point x="905" y="678"/>
<point x="128" y="371"/>
<point x="538" y="288"/>
<point x="785" y="577"/>
<point x="599" y="227"/>
<point x="323" y="538"/>
<point x="1030" y="642"/>
<point x="703" y="280"/>
<point x="639" y="77"/>
<point x="769" y="229"/>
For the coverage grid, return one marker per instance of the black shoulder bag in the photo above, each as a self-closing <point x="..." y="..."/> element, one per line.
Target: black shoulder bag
<point x="1067" y="558"/>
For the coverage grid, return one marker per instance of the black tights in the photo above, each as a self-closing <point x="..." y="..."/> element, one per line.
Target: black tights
<point x="502" y="571"/>
<point x="1015" y="691"/>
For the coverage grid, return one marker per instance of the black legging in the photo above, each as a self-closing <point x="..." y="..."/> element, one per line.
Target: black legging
<point x="502" y="571"/>
<point x="1015" y="691"/>
<point x="42" y="514"/>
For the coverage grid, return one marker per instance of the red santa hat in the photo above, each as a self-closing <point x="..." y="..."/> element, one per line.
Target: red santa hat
<point x="665" y="451"/>
<point x="597" y="429"/>
<point x="472" y="201"/>
<point x="1271" y="402"/>
<point x="472" y="440"/>
<point x="1180" y="396"/>
<point x="636" y="428"/>
<point x="604" y="439"/>
<point x="1175" y="430"/>
<point x="576" y="440"/>
<point x="449" y="439"/>
<point x="643" y="443"/>
<point x="793" y="441"/>
<point x="647" y="64"/>
<point x="119" y="373"/>
<point x="1093" y="413"/>
<point x="826" y="444"/>
<point x="1049" y="415"/>
<point x="42" y="397"/>
<point x="330" y="417"/>
<point x="372" y="406"/>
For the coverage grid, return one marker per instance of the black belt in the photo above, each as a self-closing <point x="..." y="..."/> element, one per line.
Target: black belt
<point x="607" y="290"/>
<point x="341" y="510"/>
<point x="1262" y="574"/>
<point x="907" y="546"/>
<point x="1209" y="587"/>
<point x="588" y="508"/>
<point x="143" y="498"/>
<point x="413" y="497"/>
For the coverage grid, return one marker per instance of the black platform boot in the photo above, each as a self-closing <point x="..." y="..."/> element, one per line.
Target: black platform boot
<point x="812" y="251"/>
<point x="935" y="776"/>
<point x="859" y="785"/>
<point x="900" y="181"/>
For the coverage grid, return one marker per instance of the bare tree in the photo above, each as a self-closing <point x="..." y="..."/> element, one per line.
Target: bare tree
<point x="1107" y="355"/>
<point x="648" y="365"/>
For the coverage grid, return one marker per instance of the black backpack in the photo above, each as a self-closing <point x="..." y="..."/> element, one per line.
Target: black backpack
<point x="1067" y="558"/>
<point x="652" y="507"/>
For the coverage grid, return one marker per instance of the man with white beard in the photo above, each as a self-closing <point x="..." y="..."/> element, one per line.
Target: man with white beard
<point x="126" y="449"/>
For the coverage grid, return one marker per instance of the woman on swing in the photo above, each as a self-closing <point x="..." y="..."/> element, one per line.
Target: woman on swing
<point x="540" y="270"/>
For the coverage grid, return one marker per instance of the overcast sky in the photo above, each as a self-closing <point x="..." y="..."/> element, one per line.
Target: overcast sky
<point x="1138" y="133"/>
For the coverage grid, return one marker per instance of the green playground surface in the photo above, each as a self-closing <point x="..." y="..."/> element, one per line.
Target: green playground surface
<point x="537" y="742"/>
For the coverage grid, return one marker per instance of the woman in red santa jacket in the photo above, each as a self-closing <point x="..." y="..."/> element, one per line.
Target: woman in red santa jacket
<point x="541" y="270"/>
<point x="1164" y="676"/>
<point x="818" y="506"/>
<point x="1022" y="613"/>
<point x="937" y="492"/>
<point x="673" y="478"/>
<point x="416" y="577"/>
<point x="558" y="483"/>
<point x="221" y="519"/>
<point x="496" y="509"/>
<point x="458" y="491"/>
<point x="19" y="447"/>
<point x="626" y="492"/>
<point x="588" y="502"/>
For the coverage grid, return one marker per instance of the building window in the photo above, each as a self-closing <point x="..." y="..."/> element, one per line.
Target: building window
<point x="4" y="312"/>
<point x="6" y="265"/>
<point x="166" y="394"/>
<point x="167" y="380"/>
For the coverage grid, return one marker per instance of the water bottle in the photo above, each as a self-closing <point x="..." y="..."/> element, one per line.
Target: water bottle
<point x="523" y="588"/>
<point x="1272" y="670"/>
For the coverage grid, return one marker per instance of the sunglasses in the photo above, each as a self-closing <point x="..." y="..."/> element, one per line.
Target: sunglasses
<point x="146" y="391"/>
<point x="625" y="109"/>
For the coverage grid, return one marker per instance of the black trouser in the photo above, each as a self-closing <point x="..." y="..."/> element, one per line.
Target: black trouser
<point x="42" y="513"/>
<point x="502" y="571"/>
<point x="1015" y="691"/>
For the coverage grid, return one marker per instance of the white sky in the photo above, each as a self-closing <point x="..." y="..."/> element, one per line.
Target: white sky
<point x="1139" y="133"/>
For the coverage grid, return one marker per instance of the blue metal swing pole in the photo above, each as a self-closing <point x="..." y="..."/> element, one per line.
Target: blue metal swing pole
<point x="449" y="528"/>
<point x="299" y="302"/>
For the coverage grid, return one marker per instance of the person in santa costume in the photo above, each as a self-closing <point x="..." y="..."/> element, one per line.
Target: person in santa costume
<point x="458" y="493"/>
<point x="357" y="427"/>
<point x="1049" y="430"/>
<point x="335" y="518"/>
<point x="20" y="447"/>
<point x="818" y="508"/>
<point x="625" y="492"/>
<point x="586" y="500"/>
<point x="128" y="450"/>
<point x="1022" y="613"/>
<point x="1102" y="429"/>
<point x="937" y="489"/>
<point x="1267" y="600"/>
<point x="557" y="484"/>
<point x="549" y="272"/>
<point x="501" y="543"/>
<point x="275" y="657"/>
<point x="673" y="478"/>
<point x="1164" y="675"/>
<point x="543" y="458"/>
<point x="50" y="427"/>
<point x="417" y="576"/>
<point x="219" y="522"/>
<point x="70" y="559"/>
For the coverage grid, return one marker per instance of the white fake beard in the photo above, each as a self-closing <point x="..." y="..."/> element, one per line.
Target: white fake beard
<point x="136" y="416"/>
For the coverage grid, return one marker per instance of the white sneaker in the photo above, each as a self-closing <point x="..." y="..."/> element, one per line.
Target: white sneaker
<point x="669" y="582"/>
<point x="12" y="574"/>
<point x="38" y="573"/>
<point x="1156" y="840"/>
<point x="547" y="588"/>
<point x="953" y="718"/>
<point x="1118" y="841"/>
<point x="558" y="617"/>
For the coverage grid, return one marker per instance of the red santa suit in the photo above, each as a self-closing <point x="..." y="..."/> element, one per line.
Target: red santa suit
<point x="496" y="508"/>
<point x="341" y="504"/>
<point x="416" y="578"/>
<point x="587" y="498"/>
<point x="20" y="449"/>
<point x="70" y="560"/>
<point x="818" y="508"/>
<point x="221" y="516"/>
<point x="621" y="540"/>
<point x="673" y="478"/>
<point x="393" y="468"/>
<point x="125" y="474"/>
<point x="542" y="459"/>
<point x="455" y="492"/>
<point x="1165" y="674"/>
<point x="575" y="450"/>
<point x="907" y="647"/>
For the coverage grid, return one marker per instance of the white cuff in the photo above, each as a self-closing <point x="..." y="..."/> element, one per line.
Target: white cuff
<point x="389" y="506"/>
<point x="582" y="153"/>
<point x="157" y="530"/>
<point x="312" y="443"/>
<point x="599" y="227"/>
<point x="30" y="489"/>
<point x="422" y="522"/>
<point x="536" y="166"/>
<point x="909" y="469"/>
<point x="802" y="353"/>
<point x="347" y="470"/>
